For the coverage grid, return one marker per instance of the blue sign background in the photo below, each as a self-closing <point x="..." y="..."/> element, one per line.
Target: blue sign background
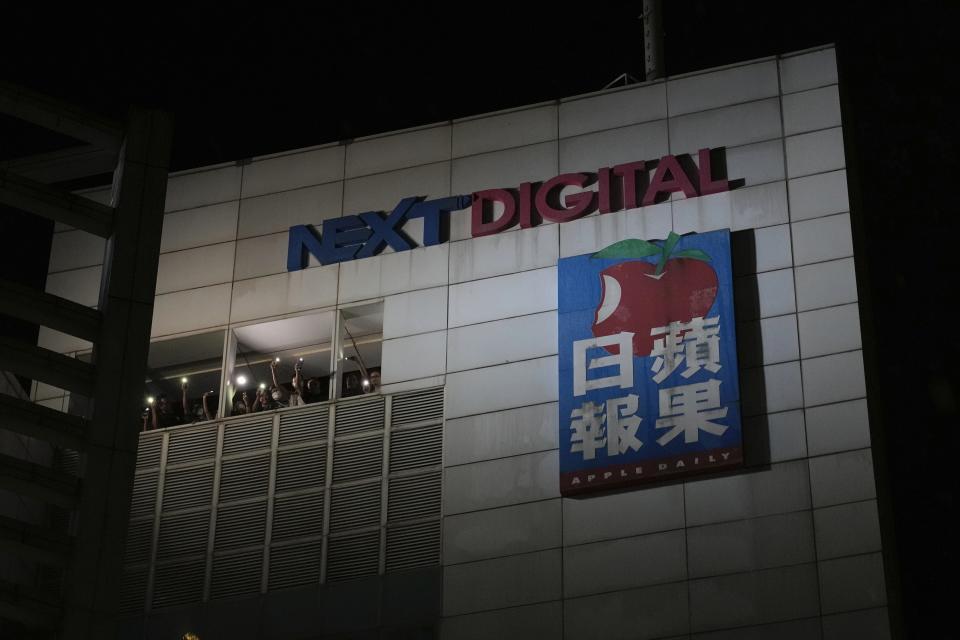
<point x="579" y="297"/>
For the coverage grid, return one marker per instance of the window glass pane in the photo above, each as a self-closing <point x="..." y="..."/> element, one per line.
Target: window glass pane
<point x="360" y="339"/>
<point x="181" y="372"/>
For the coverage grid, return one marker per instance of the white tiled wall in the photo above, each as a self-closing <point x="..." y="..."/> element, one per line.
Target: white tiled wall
<point x="786" y="547"/>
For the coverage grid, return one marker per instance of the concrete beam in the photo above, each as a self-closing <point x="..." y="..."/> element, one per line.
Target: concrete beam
<point x="36" y="421"/>
<point x="66" y="164"/>
<point x="56" y="204"/>
<point x="49" y="310"/>
<point x="45" y="365"/>
<point x="58" y="116"/>
<point x="38" y="482"/>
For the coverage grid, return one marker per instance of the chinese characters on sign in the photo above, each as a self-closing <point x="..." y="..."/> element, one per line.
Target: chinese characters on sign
<point x="648" y="365"/>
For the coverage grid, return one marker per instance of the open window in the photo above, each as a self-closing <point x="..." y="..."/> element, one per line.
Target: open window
<point x="183" y="379"/>
<point x="359" y="347"/>
<point x="280" y="363"/>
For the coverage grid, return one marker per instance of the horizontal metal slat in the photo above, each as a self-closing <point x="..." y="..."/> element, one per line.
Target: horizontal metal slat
<point x="418" y="447"/>
<point x="186" y="488"/>
<point x="356" y="416"/>
<point x="241" y="525"/>
<point x="236" y="575"/>
<point x="244" y="478"/>
<point x="247" y="435"/>
<point x="304" y="425"/>
<point x="295" y="565"/>
<point x="353" y="556"/>
<point x="414" y="497"/>
<point x="148" y="450"/>
<point x="179" y="583"/>
<point x="355" y="506"/>
<point x="416" y="406"/>
<point x="144" y="494"/>
<point x="356" y="459"/>
<point x="301" y="468"/>
<point x="297" y="516"/>
<point x="413" y="546"/>
<point x="139" y="539"/>
<point x="183" y="535"/>
<point x="190" y="445"/>
<point x="133" y="590"/>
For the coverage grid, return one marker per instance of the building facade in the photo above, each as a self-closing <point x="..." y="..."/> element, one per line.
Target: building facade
<point x="434" y="505"/>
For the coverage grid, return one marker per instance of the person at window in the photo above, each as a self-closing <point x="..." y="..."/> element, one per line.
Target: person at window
<point x="207" y="413"/>
<point x="263" y="401"/>
<point x="297" y="384"/>
<point x="163" y="414"/>
<point x="277" y="393"/>
<point x="374" y="382"/>
<point x="351" y="384"/>
<point x="241" y="405"/>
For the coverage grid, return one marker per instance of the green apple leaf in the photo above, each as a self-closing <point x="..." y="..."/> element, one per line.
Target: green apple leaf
<point x="696" y="254"/>
<point x="629" y="249"/>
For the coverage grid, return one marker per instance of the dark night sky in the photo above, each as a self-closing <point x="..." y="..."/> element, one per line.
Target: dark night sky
<point x="252" y="81"/>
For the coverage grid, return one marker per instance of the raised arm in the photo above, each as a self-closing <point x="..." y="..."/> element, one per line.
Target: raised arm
<point x="206" y="406"/>
<point x="183" y="401"/>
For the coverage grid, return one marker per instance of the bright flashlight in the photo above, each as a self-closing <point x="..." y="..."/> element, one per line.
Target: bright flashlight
<point x="276" y="359"/>
<point x="241" y="380"/>
<point x="366" y="383"/>
<point x="263" y="385"/>
<point x="149" y="399"/>
<point x="183" y="380"/>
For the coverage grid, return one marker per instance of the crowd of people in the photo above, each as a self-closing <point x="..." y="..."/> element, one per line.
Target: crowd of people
<point x="300" y="391"/>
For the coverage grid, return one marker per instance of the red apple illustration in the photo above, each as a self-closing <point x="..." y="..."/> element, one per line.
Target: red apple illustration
<point x="637" y="296"/>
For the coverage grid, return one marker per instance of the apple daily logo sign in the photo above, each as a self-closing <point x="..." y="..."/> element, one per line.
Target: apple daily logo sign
<point x="648" y="383"/>
<point x="624" y="186"/>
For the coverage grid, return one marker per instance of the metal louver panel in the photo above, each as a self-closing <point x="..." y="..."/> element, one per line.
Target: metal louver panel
<point x="359" y="415"/>
<point x="413" y="546"/>
<point x="236" y="575"/>
<point x="180" y="583"/>
<point x="144" y="494"/>
<point x="148" y="450"/>
<point x="417" y="447"/>
<point x="353" y="556"/>
<point x="414" y="497"/>
<point x="241" y="525"/>
<point x="417" y="406"/>
<point x="297" y="516"/>
<point x="183" y="535"/>
<point x="67" y="461"/>
<point x="189" y="445"/>
<point x="133" y="590"/>
<point x="304" y="425"/>
<point x="355" y="506"/>
<point x="186" y="488"/>
<point x="244" y="478"/>
<point x="356" y="459"/>
<point x="301" y="468"/>
<point x="247" y="435"/>
<point x="139" y="537"/>
<point x="295" y="565"/>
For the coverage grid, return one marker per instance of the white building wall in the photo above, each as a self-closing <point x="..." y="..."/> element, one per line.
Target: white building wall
<point x="787" y="547"/>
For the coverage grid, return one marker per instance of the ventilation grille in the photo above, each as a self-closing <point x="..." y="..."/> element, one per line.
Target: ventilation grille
<point x="355" y="506"/>
<point x="356" y="459"/>
<point x="241" y="525"/>
<point x="304" y="425"/>
<point x="297" y="516"/>
<point x="68" y="461"/>
<point x="419" y="447"/>
<point x="183" y="535"/>
<point x="295" y="565"/>
<point x="144" y="494"/>
<point x="417" y="406"/>
<point x="191" y="445"/>
<point x="180" y="583"/>
<point x="244" y="478"/>
<point x="186" y="488"/>
<point x="413" y="546"/>
<point x="414" y="497"/>
<point x="133" y="590"/>
<point x="301" y="468"/>
<point x="247" y="435"/>
<point x="139" y="537"/>
<point x="359" y="415"/>
<point x="148" y="450"/>
<point x="236" y="575"/>
<point x="353" y="556"/>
